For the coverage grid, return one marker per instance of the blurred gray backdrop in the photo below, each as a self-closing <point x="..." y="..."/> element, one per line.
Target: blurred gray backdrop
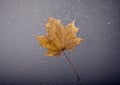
<point x="97" y="58"/>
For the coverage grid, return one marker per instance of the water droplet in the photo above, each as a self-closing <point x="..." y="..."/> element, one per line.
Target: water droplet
<point x="33" y="50"/>
<point x="66" y="63"/>
<point x="114" y="52"/>
<point x="39" y="48"/>
<point x="112" y="32"/>
<point x="44" y="60"/>
<point x="44" y="72"/>
<point x="108" y="23"/>
<point x="38" y="33"/>
<point x="11" y="16"/>
<point x="8" y="22"/>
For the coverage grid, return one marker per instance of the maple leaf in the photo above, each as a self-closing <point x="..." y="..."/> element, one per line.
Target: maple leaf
<point x="59" y="37"/>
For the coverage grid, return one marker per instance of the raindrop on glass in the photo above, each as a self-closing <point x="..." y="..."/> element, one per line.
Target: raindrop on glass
<point x="8" y="22"/>
<point x="38" y="33"/>
<point x="108" y="23"/>
<point x="44" y="60"/>
<point x="114" y="52"/>
<point x="112" y="32"/>
<point x="66" y="63"/>
<point x="33" y="50"/>
<point x="11" y="16"/>
<point x="44" y="72"/>
<point x="39" y="48"/>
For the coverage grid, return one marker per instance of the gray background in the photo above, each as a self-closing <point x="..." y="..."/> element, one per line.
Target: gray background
<point x="97" y="59"/>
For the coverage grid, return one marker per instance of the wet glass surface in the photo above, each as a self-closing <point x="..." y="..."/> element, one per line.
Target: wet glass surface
<point x="97" y="59"/>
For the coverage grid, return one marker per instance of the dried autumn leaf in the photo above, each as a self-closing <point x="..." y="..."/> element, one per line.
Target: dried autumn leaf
<point x="59" y="37"/>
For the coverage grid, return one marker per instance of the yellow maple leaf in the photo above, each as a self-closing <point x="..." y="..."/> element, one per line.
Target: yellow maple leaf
<point x="59" y="37"/>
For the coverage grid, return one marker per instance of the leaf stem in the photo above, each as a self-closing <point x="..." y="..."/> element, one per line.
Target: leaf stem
<point x="73" y="67"/>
